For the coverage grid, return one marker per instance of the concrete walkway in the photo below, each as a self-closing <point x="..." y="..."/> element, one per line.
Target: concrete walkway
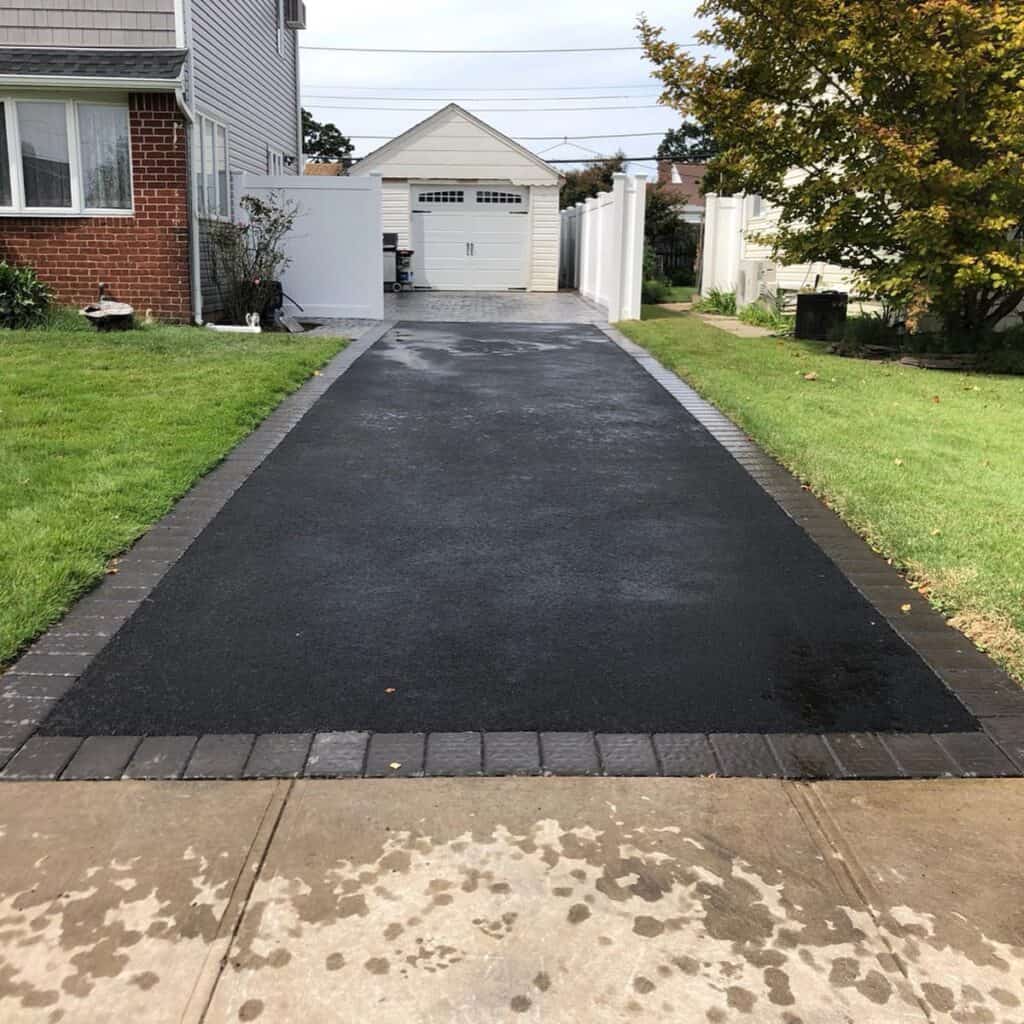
<point x="480" y="901"/>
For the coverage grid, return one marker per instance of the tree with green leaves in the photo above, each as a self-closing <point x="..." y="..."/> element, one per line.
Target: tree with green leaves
<point x="595" y="177"/>
<point x="323" y="143"/>
<point x="690" y="143"/>
<point x="890" y="135"/>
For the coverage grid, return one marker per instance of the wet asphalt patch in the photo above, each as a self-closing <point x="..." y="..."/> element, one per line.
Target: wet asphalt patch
<point x="483" y="527"/>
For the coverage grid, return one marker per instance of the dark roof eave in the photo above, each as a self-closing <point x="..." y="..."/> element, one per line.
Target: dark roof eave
<point x="157" y="69"/>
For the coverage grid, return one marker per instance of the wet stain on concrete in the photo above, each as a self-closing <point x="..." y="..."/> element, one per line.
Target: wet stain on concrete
<point x="771" y="949"/>
<point x="251" y="1009"/>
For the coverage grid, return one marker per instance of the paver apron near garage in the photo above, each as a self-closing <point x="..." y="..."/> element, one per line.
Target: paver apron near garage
<point x="488" y="527"/>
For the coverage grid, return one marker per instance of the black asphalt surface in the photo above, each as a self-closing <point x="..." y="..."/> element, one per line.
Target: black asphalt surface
<point x="511" y="528"/>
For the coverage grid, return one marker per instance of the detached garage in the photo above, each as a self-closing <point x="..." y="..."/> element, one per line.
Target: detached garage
<point x="480" y="211"/>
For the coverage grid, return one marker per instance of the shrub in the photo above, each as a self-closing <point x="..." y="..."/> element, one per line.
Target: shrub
<point x="716" y="301"/>
<point x="683" y="277"/>
<point x="767" y="314"/>
<point x="655" y="291"/>
<point x="24" y="299"/>
<point x="249" y="258"/>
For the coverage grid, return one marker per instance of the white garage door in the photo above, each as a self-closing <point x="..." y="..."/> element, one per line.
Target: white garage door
<point x="470" y="238"/>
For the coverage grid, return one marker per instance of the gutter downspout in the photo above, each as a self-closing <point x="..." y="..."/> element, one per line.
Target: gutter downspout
<point x="195" y="266"/>
<point x="300" y="159"/>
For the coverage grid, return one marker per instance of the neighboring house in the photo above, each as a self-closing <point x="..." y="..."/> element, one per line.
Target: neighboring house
<point x="121" y="125"/>
<point x="480" y="211"/>
<point x="682" y="182"/>
<point x="734" y="260"/>
<point x="328" y="170"/>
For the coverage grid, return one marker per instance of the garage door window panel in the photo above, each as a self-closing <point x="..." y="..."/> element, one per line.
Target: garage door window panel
<point x="443" y="196"/>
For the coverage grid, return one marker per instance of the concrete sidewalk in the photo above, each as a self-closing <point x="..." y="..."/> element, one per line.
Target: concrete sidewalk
<point x="487" y="900"/>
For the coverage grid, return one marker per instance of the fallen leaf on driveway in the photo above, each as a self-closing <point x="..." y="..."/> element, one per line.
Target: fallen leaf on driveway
<point x="905" y="608"/>
<point x="390" y="689"/>
<point x="395" y="765"/>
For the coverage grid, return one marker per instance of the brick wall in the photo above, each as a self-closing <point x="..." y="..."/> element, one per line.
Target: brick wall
<point x="143" y="259"/>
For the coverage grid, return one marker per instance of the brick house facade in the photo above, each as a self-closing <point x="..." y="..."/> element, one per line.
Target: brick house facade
<point x="142" y="258"/>
<point x="123" y="126"/>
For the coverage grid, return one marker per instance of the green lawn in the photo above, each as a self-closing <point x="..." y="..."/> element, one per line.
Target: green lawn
<point x="681" y="293"/>
<point x="927" y="465"/>
<point x="101" y="433"/>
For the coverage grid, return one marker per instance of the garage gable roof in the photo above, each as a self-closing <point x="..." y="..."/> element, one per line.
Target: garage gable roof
<point x="388" y="157"/>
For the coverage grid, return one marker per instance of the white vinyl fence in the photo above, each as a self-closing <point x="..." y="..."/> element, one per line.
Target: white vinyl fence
<point x="602" y="249"/>
<point x="335" y="246"/>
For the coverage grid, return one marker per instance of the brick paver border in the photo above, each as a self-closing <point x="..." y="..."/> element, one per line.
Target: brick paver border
<point x="29" y="690"/>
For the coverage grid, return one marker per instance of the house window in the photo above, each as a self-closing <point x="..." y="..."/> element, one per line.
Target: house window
<point x="486" y="196"/>
<point x="64" y="157"/>
<point x="106" y="157"/>
<point x="213" y="183"/>
<point x="444" y="196"/>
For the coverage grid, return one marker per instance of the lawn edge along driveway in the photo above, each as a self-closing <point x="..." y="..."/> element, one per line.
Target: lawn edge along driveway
<point x="54" y="664"/>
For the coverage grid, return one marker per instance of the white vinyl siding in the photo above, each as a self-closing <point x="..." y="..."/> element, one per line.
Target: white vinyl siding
<point x="65" y="158"/>
<point x="241" y="79"/>
<point x="455" y="148"/>
<point x="545" y="237"/>
<point x="395" y="210"/>
<point x="88" y="23"/>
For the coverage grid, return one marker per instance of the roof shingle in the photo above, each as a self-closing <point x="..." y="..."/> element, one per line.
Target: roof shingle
<point x="152" y="65"/>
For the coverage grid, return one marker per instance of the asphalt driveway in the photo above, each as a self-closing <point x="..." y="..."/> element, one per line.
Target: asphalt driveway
<point x="493" y="527"/>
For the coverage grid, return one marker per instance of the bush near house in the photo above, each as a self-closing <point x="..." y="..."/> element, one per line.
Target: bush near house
<point x="102" y="432"/>
<point x="925" y="465"/>
<point x="24" y="299"/>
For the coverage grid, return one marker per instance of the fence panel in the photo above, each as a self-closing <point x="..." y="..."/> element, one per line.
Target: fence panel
<point x="336" y="267"/>
<point x="603" y="247"/>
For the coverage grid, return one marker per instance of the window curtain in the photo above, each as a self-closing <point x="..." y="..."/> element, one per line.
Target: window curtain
<point x="44" y="154"/>
<point x="106" y="157"/>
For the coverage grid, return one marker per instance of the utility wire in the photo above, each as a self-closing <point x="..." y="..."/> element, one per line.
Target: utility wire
<point x="601" y="159"/>
<point x="568" y="49"/>
<point x="507" y="88"/>
<point x="490" y="110"/>
<point x="543" y="138"/>
<point x="471" y="99"/>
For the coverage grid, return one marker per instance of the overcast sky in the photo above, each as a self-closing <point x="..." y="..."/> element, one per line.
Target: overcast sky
<point x="334" y="81"/>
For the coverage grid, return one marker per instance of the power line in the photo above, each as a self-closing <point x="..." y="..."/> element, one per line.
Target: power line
<point x="569" y="49"/>
<point x="470" y="99"/>
<point x="490" y="110"/>
<point x="544" y="138"/>
<point x="507" y="88"/>
<point x="570" y="138"/>
<point x="601" y="159"/>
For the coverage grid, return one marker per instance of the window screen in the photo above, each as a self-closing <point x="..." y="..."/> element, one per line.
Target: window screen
<point x="46" y="167"/>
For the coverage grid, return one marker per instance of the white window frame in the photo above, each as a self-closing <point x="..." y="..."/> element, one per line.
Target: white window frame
<point x="280" y="28"/>
<point x="202" y="123"/>
<point x="76" y="209"/>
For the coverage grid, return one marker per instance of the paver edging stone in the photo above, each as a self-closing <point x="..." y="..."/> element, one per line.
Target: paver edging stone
<point x="30" y="690"/>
